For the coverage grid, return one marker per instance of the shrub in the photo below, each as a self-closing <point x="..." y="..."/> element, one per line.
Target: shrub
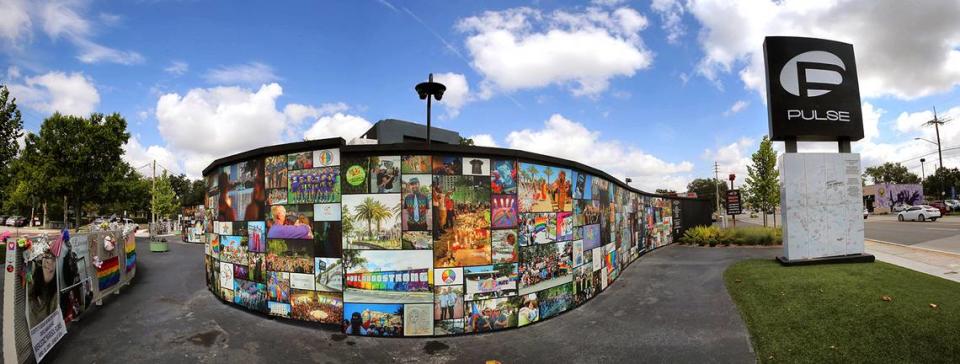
<point x="713" y="236"/>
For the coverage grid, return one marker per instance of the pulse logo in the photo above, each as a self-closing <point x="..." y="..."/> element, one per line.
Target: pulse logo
<point x="813" y="74"/>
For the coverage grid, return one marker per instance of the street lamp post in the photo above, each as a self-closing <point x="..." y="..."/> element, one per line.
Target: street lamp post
<point x="427" y="89"/>
<point x="923" y="174"/>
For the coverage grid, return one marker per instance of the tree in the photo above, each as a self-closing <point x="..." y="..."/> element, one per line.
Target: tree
<point x="11" y="129"/>
<point x="466" y="141"/>
<point x="665" y="191"/>
<point x="942" y="181"/>
<point x="890" y="173"/>
<point x="372" y="211"/>
<point x="181" y="186"/>
<point x="707" y="188"/>
<point x="762" y="183"/>
<point x="164" y="198"/>
<point x="76" y="155"/>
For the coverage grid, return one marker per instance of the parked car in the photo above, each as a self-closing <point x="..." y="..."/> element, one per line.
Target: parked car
<point x="899" y="206"/>
<point x="16" y="221"/>
<point x="954" y="205"/>
<point x="940" y="205"/>
<point x="919" y="213"/>
<point x="865" y="213"/>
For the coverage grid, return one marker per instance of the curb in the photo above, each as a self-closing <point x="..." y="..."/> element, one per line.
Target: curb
<point x="914" y="247"/>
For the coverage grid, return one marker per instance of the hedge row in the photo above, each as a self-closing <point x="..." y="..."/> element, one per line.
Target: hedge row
<point x="713" y="236"/>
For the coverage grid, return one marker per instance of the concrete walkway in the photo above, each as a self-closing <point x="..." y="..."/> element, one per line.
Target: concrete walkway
<point x="669" y="306"/>
<point x="933" y="262"/>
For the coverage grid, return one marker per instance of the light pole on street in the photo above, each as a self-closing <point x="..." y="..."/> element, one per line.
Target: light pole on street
<point x="923" y="174"/>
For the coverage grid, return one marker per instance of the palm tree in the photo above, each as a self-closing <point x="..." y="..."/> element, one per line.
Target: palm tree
<point x="532" y="170"/>
<point x="549" y="172"/>
<point x="371" y="211"/>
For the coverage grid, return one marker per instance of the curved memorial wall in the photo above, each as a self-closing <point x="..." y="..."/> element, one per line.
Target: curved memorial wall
<point x="405" y="240"/>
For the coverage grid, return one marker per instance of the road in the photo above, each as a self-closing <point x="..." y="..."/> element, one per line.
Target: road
<point x="944" y="234"/>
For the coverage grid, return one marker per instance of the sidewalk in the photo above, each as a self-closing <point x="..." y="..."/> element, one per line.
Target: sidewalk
<point x="933" y="262"/>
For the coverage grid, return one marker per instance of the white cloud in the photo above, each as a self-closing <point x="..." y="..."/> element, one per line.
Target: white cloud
<point x="731" y="158"/>
<point x="671" y="18"/>
<point x="137" y="156"/>
<point x="66" y="19"/>
<point x="457" y="94"/>
<point x="221" y="120"/>
<point x="904" y="49"/>
<point x="736" y="107"/>
<point x="14" y="20"/>
<point x="483" y="140"/>
<point x="338" y="125"/>
<point x="524" y="48"/>
<point x="110" y="19"/>
<point x="72" y="94"/>
<point x="13" y="73"/>
<point x="253" y="74"/>
<point x="564" y="138"/>
<point x="911" y="122"/>
<point x="177" y="68"/>
<point x="296" y="113"/>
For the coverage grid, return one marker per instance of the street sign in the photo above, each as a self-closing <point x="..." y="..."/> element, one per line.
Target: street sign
<point x="734" y="207"/>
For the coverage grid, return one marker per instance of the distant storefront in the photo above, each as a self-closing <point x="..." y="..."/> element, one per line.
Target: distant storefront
<point x="886" y="198"/>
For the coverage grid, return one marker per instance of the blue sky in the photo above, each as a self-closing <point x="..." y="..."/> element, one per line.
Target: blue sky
<point x="654" y="91"/>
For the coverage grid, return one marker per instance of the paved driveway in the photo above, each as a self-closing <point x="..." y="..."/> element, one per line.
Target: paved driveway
<point x="669" y="306"/>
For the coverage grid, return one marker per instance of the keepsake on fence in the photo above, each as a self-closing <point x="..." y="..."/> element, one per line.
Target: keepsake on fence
<point x="416" y="240"/>
<point x="51" y="280"/>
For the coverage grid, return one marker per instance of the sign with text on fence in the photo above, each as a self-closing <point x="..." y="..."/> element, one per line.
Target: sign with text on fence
<point x="734" y="205"/>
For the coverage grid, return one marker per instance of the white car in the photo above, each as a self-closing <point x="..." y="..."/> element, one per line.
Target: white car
<point x="954" y="205"/>
<point x="899" y="206"/>
<point x="919" y="213"/>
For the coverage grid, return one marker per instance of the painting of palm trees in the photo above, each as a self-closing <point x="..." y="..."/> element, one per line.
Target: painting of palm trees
<point x="374" y="221"/>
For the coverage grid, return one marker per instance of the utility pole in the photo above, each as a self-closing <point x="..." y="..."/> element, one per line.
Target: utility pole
<point x="936" y="122"/>
<point x="153" y="196"/>
<point x="716" y="183"/>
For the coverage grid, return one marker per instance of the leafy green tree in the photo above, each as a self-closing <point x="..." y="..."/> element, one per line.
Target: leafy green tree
<point x="890" y="173"/>
<point x="164" y="197"/>
<point x="76" y="156"/>
<point x="707" y="188"/>
<point x="466" y="141"/>
<point x="664" y="191"/>
<point x="11" y="128"/>
<point x="181" y="187"/>
<point x="938" y="185"/>
<point x="762" y="183"/>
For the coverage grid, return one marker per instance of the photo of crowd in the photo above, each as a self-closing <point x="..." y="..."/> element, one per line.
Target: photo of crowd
<point x="232" y="250"/>
<point x="537" y="228"/>
<point x="504" y="211"/>
<point x="385" y="174"/>
<point x="504" y="245"/>
<point x="375" y="221"/>
<point x="492" y="314"/>
<point x="461" y="220"/>
<point x="555" y="300"/>
<point x="316" y="185"/>
<point x="415" y="164"/>
<point x="316" y="306"/>
<point x="277" y="196"/>
<point x="417" y="213"/>
<point x="275" y="172"/>
<point x="503" y="177"/>
<point x="249" y="294"/>
<point x="372" y="319"/>
<point x="295" y="256"/>
<point x="544" y="266"/>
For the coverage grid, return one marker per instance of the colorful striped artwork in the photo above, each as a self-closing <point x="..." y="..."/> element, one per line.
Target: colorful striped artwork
<point x="108" y="274"/>
<point x="130" y="248"/>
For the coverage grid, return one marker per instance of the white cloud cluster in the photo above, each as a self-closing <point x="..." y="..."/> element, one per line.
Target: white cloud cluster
<point x="60" y="20"/>
<point x="208" y="123"/>
<point x="564" y="138"/>
<point x="731" y="158"/>
<point x="736" y="107"/>
<point x="904" y="49"/>
<point x="72" y="94"/>
<point x="253" y="73"/>
<point x="177" y="68"/>
<point x="457" y="94"/>
<point x="524" y="48"/>
<point x="671" y="18"/>
<point x="483" y="140"/>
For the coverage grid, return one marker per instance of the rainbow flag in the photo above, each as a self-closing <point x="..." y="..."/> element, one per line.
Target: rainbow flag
<point x="130" y="248"/>
<point x="109" y="273"/>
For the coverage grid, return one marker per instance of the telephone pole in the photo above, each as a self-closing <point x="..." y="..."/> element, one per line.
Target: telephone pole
<point x="716" y="183"/>
<point x="153" y="195"/>
<point x="937" y="122"/>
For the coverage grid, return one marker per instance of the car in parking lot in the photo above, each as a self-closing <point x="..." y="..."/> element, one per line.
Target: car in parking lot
<point x="899" y="206"/>
<point x="940" y="205"/>
<point x="953" y="205"/>
<point x="919" y="213"/>
<point x="16" y="221"/>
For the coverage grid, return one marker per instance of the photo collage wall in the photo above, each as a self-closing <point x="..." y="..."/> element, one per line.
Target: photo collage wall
<point x="420" y="245"/>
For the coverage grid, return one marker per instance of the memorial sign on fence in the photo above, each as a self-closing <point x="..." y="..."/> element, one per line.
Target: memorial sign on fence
<point x="734" y="205"/>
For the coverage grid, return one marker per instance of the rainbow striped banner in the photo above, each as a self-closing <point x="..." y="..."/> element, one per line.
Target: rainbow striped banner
<point x="108" y="274"/>
<point x="130" y="248"/>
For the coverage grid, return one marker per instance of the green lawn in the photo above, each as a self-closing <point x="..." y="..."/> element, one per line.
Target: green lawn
<point x="836" y="313"/>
